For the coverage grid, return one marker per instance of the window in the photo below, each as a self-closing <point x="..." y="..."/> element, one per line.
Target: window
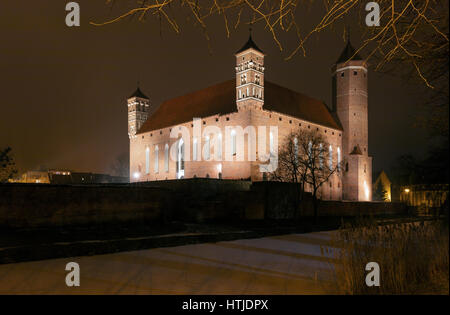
<point x="296" y="150"/>
<point x="180" y="159"/>
<point x="207" y="148"/>
<point x="194" y="150"/>
<point x="233" y="142"/>
<point x="219" y="146"/>
<point x="339" y="159"/>
<point x="330" y="158"/>
<point x="156" y="159"/>
<point x="166" y="157"/>
<point x="320" y="155"/>
<point x="147" y="160"/>
<point x="309" y="151"/>
<point x="271" y="148"/>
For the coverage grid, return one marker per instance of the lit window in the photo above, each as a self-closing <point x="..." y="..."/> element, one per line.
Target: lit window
<point x="330" y="157"/>
<point x="339" y="159"/>
<point x="295" y="150"/>
<point x="147" y="160"/>
<point x="180" y="159"/>
<point x="207" y="148"/>
<point x="233" y="142"/>
<point x="166" y="157"/>
<point x="194" y="151"/>
<point x="219" y="146"/>
<point x="156" y="159"/>
<point x="271" y="146"/>
<point x="310" y="152"/>
<point x="320" y="156"/>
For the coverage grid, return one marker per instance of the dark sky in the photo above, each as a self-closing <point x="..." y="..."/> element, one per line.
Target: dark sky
<point x="64" y="90"/>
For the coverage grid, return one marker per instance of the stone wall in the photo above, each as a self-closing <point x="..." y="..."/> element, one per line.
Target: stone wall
<point x="279" y="203"/>
<point x="189" y="200"/>
<point x="37" y="205"/>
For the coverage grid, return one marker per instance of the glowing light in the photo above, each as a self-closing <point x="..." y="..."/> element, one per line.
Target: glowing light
<point x="136" y="175"/>
<point x="406" y="190"/>
<point x="366" y="190"/>
<point x="219" y="168"/>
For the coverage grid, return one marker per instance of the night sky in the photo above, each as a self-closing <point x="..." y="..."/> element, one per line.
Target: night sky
<point x="64" y="90"/>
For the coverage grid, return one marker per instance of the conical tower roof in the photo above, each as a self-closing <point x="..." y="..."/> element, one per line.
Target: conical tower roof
<point x="249" y="44"/>
<point x="348" y="53"/>
<point x="138" y="93"/>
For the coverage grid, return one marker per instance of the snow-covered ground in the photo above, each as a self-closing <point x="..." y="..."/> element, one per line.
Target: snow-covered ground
<point x="287" y="264"/>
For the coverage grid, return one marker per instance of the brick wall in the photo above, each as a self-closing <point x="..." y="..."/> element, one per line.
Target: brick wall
<point x="190" y="200"/>
<point x="35" y="205"/>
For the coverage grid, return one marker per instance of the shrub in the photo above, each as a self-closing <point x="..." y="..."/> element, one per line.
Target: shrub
<point x="413" y="257"/>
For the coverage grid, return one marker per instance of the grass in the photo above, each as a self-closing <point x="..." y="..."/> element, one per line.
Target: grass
<point x="413" y="257"/>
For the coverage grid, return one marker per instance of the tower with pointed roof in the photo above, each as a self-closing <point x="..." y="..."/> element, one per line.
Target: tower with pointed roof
<point x="138" y="107"/>
<point x="350" y="102"/>
<point x="249" y="76"/>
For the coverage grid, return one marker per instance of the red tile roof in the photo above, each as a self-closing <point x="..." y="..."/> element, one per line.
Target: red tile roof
<point x="221" y="99"/>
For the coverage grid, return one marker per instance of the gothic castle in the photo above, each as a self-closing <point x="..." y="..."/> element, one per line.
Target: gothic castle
<point x="250" y="100"/>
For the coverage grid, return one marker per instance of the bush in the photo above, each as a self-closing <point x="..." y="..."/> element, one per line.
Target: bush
<point x="413" y="257"/>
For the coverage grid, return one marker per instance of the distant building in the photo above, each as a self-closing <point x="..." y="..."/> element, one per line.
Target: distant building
<point x="382" y="184"/>
<point x="37" y="177"/>
<point x="424" y="195"/>
<point x="67" y="177"/>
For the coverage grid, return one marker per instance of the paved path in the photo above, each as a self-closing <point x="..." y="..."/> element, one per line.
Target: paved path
<point x="287" y="264"/>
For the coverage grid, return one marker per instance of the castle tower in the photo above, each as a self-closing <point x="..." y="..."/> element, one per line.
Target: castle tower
<point x="138" y="107"/>
<point x="249" y="76"/>
<point x="349" y="89"/>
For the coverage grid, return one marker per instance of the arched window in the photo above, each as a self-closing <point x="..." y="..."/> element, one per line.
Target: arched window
<point x="194" y="150"/>
<point x="320" y="155"/>
<point x="207" y="148"/>
<point x="310" y="153"/>
<point x="166" y="157"/>
<point x="330" y="157"/>
<point x="219" y="146"/>
<point x="271" y="145"/>
<point x="339" y="159"/>
<point x="233" y="142"/>
<point x="156" y="159"/>
<point x="296" y="150"/>
<point x="180" y="159"/>
<point x="147" y="160"/>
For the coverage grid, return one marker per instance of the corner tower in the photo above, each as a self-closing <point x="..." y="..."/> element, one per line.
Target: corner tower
<point x="249" y="76"/>
<point x="138" y="107"/>
<point x="350" y="102"/>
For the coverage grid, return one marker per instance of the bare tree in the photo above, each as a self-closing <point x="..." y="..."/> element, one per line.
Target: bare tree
<point x="305" y="158"/>
<point x="7" y="165"/>
<point x="405" y="30"/>
<point x="318" y="163"/>
<point x="290" y="169"/>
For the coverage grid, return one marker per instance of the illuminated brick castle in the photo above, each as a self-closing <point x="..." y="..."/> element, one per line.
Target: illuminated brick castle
<point x="249" y="100"/>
